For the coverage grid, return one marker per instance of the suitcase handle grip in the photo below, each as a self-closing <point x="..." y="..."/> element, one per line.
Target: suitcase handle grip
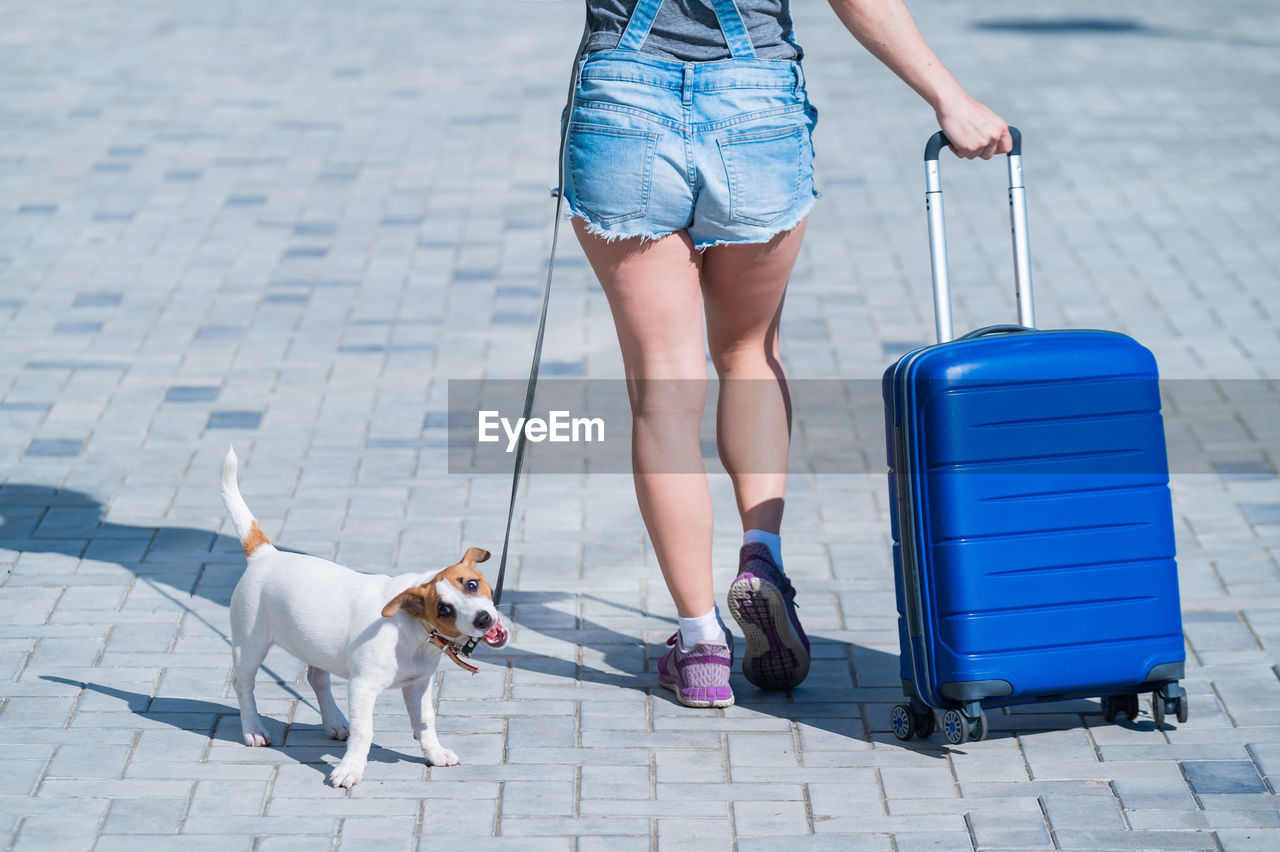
<point x="939" y="140"/>
<point x="992" y="329"/>
<point x="938" y="236"/>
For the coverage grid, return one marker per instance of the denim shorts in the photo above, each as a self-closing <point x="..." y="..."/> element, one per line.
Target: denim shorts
<point x="722" y="149"/>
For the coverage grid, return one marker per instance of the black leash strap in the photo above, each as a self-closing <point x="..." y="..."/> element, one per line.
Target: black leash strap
<point x="542" y="325"/>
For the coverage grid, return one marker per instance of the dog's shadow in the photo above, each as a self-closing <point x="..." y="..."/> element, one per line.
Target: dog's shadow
<point x="305" y="744"/>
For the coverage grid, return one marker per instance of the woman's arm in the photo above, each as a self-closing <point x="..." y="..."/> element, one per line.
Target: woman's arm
<point x="886" y="29"/>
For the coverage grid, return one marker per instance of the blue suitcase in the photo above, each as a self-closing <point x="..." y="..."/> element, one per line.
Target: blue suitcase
<point x="1033" y="545"/>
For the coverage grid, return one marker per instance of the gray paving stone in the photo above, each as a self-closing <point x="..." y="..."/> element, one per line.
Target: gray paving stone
<point x="301" y="254"/>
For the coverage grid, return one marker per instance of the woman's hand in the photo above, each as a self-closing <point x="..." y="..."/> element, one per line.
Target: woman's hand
<point x="886" y="28"/>
<point x="972" y="129"/>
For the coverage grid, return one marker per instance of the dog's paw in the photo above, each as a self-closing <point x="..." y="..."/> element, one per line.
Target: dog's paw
<point x="337" y="729"/>
<point x="442" y="757"/>
<point x="257" y="738"/>
<point x="347" y="773"/>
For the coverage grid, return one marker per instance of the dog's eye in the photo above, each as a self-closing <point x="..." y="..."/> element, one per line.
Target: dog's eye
<point x="472" y="586"/>
<point x="444" y="610"/>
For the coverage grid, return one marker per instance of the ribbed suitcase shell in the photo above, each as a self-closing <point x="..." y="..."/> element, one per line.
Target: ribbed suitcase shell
<point x="1033" y="544"/>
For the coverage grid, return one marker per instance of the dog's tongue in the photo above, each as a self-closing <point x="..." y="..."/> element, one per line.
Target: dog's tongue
<point x="496" y="635"/>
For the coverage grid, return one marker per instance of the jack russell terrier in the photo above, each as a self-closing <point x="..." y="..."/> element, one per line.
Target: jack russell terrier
<point x="377" y="631"/>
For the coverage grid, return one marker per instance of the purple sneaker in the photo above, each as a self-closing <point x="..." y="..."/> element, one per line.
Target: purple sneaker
<point x="762" y="601"/>
<point x="699" y="676"/>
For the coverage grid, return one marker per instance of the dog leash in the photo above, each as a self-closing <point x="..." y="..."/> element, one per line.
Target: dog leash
<point x="531" y="388"/>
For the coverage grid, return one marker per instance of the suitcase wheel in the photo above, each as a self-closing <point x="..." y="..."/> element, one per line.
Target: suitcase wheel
<point x="1113" y="705"/>
<point x="908" y="723"/>
<point x="1170" y="699"/>
<point x="960" y="728"/>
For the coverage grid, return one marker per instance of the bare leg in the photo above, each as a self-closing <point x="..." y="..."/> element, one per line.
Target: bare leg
<point x="361" y="695"/>
<point x="335" y="724"/>
<point x="655" y="296"/>
<point x="417" y="700"/>
<point x="246" y="658"/>
<point x="743" y="288"/>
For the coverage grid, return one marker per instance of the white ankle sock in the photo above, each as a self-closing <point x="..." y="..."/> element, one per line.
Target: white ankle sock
<point x="704" y="628"/>
<point x="772" y="540"/>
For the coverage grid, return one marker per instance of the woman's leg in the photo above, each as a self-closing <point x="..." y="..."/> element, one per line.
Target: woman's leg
<point x="743" y="289"/>
<point x="653" y="292"/>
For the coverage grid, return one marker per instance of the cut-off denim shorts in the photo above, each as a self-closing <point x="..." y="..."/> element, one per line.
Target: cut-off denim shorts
<point x="721" y="148"/>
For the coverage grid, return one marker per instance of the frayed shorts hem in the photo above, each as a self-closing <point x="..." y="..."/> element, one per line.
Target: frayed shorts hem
<point x="612" y="233"/>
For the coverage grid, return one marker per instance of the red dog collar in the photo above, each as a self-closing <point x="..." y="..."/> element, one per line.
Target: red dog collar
<point x="451" y="651"/>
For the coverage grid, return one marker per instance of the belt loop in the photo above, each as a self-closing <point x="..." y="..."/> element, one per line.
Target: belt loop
<point x="798" y="73"/>
<point x="686" y="85"/>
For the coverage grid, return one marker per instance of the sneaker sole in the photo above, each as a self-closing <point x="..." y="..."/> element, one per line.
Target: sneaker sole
<point x="775" y="657"/>
<point x="690" y="702"/>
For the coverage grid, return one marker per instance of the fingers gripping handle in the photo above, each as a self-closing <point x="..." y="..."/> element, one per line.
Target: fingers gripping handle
<point x="938" y="235"/>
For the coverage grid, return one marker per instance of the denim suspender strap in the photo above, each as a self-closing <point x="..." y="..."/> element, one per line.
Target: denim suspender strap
<point x="735" y="32"/>
<point x="639" y="25"/>
<point x="531" y="388"/>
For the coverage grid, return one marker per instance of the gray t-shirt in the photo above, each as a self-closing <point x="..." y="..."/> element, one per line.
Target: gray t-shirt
<point x="688" y="30"/>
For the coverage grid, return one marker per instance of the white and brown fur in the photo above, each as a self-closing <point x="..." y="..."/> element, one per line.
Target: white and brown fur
<point x="370" y="628"/>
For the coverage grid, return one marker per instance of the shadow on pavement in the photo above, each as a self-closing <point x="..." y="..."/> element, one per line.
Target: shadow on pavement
<point x="1085" y="26"/>
<point x="42" y="519"/>
<point x="844" y="679"/>
<point x="207" y="718"/>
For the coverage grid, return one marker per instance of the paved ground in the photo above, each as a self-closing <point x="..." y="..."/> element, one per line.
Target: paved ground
<point x="288" y="225"/>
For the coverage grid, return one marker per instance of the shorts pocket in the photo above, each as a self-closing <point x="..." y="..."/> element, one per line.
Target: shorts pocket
<point x="764" y="169"/>
<point x="610" y="168"/>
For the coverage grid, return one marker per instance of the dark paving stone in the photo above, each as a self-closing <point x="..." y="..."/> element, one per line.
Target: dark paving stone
<point x="517" y="292"/>
<point x="561" y="368"/>
<point x="1223" y="776"/>
<point x="97" y="300"/>
<point x="365" y="349"/>
<point x="219" y="332"/>
<point x="314" y="229"/>
<point x="74" y="327"/>
<point x="24" y="406"/>
<point x="37" y="209"/>
<point x="73" y="365"/>
<point x="234" y="420"/>
<point x="191" y="393"/>
<point x="1244" y="470"/>
<point x="182" y="175"/>
<point x="120" y="216"/>
<point x="894" y="348"/>
<point x="55" y="447"/>
<point x="286" y="298"/>
<point x="1261" y="513"/>
<point x="401" y="220"/>
<point x="305" y="251"/>
<point x="313" y="282"/>
<point x="126" y="150"/>
<point x="245" y="200"/>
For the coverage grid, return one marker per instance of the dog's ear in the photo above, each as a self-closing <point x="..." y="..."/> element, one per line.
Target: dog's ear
<point x="413" y="601"/>
<point x="474" y="555"/>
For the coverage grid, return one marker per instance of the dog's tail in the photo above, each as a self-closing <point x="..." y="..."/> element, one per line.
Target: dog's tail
<point x="250" y="534"/>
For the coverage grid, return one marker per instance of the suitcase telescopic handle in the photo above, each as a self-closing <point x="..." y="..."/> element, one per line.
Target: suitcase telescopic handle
<point x="938" y="236"/>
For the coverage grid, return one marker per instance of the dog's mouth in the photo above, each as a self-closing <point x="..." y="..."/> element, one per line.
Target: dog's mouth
<point x="497" y="635"/>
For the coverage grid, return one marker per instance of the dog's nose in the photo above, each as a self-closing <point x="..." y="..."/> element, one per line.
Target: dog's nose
<point x="483" y="621"/>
